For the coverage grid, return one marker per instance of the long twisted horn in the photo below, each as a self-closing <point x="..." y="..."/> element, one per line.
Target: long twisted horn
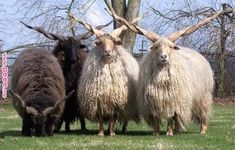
<point x="150" y="35"/>
<point x="21" y="106"/>
<point x="56" y="109"/>
<point x="89" y="34"/>
<point x="174" y="36"/>
<point x="97" y="32"/>
<point x="51" y="36"/>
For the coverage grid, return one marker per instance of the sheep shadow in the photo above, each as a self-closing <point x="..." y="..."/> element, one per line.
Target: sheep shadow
<point x="78" y="132"/>
<point x="150" y="133"/>
<point x="13" y="133"/>
<point x="118" y="132"/>
<point x="17" y="133"/>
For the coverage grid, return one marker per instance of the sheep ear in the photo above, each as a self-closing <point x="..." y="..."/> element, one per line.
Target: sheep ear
<point x="98" y="42"/>
<point x="119" y="42"/>
<point x="176" y="48"/>
<point x="151" y="48"/>
<point x="82" y="46"/>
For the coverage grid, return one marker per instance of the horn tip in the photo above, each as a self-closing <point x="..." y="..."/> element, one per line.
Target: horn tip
<point x="11" y="92"/>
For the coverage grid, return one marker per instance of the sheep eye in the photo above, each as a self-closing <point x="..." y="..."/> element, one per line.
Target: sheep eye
<point x="176" y="48"/>
<point x="98" y="42"/>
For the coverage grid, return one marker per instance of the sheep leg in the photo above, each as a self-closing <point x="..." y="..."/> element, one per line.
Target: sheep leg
<point x="49" y="130"/>
<point x="156" y="127"/>
<point x="67" y="127"/>
<point x="177" y="124"/>
<point x="82" y="123"/>
<point x="177" y="127"/>
<point x="101" y="128"/>
<point x="170" y="126"/>
<point x="112" y="126"/>
<point x="58" y="125"/>
<point x="26" y="129"/>
<point x="203" y="125"/>
<point x="124" y="126"/>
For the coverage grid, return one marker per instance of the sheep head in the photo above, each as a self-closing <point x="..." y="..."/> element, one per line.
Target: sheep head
<point x="69" y="45"/>
<point x="108" y="47"/>
<point x="163" y="49"/>
<point x="106" y="42"/>
<point x="40" y="120"/>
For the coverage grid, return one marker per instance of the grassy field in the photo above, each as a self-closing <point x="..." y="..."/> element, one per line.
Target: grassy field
<point x="221" y="135"/>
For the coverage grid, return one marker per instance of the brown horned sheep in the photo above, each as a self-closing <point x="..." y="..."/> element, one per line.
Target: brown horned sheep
<point x="38" y="90"/>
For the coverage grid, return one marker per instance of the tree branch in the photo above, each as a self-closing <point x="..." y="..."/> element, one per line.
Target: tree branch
<point x="25" y="46"/>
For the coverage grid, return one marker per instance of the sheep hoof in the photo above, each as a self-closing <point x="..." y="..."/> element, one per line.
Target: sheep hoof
<point x="176" y="131"/>
<point x="101" y="134"/>
<point x="203" y="129"/>
<point x="156" y="133"/>
<point x="124" y="130"/>
<point x="112" y="134"/>
<point x="169" y="133"/>
<point x="203" y="132"/>
<point x="56" y="130"/>
<point x="67" y="131"/>
<point x="84" y="130"/>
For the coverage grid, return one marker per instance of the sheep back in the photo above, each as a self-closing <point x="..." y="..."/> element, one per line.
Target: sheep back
<point x="37" y="77"/>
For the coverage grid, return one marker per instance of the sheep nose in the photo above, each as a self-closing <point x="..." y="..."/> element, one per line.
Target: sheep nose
<point x="73" y="59"/>
<point x="106" y="52"/>
<point x="163" y="56"/>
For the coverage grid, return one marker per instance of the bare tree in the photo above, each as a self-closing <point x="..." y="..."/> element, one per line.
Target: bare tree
<point x="128" y="10"/>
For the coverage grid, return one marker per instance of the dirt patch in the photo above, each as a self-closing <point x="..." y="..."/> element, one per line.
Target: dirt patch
<point x="224" y="101"/>
<point x="5" y="100"/>
<point x="2" y="110"/>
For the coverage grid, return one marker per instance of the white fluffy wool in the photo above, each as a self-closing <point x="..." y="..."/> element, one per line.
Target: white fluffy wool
<point x="183" y="87"/>
<point x="108" y="89"/>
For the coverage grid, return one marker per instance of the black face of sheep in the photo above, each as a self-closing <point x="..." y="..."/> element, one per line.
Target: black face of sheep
<point x="69" y="45"/>
<point x="70" y="49"/>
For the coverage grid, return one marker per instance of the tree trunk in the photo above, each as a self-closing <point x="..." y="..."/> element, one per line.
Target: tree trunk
<point x="128" y="11"/>
<point x="223" y="36"/>
<point x="120" y="8"/>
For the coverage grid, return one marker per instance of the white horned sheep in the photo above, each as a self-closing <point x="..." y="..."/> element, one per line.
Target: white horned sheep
<point x="175" y="83"/>
<point x="107" y="87"/>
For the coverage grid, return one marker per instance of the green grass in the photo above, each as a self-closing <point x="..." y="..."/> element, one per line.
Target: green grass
<point x="221" y="135"/>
